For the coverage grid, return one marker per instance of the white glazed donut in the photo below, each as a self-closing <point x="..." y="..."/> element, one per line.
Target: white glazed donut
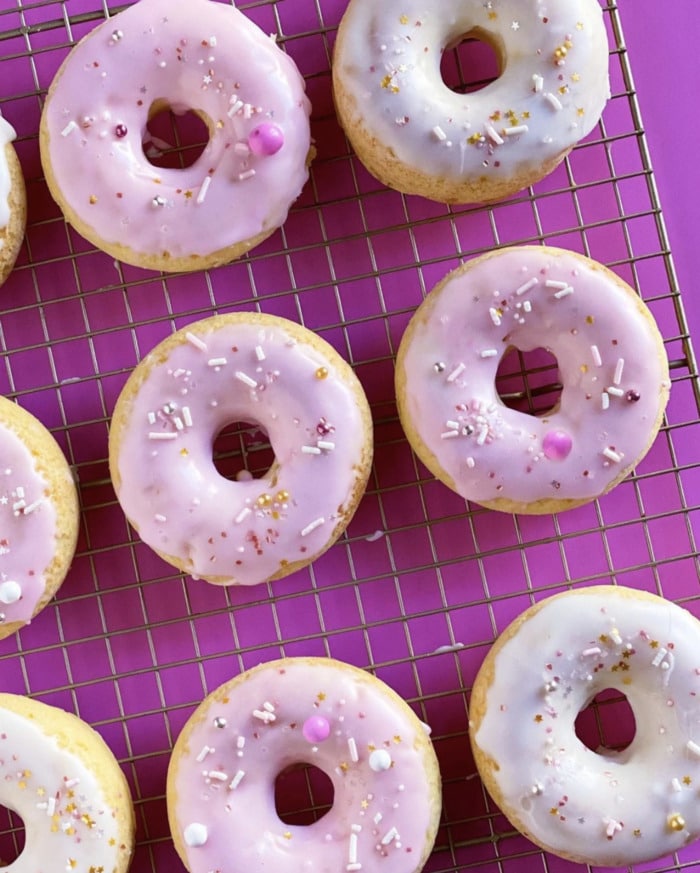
<point x="13" y="201"/>
<point x="198" y="55"/>
<point x="59" y="777"/>
<point x="315" y="711"/>
<point x="417" y="135"/>
<point x="612" y="366"/>
<point x="242" y="367"/>
<point x="602" y="808"/>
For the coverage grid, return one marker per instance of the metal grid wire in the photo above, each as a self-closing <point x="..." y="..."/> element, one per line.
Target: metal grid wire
<point x="421" y="584"/>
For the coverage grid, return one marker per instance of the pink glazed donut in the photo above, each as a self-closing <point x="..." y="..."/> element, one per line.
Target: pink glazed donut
<point x="197" y="55"/>
<point x="612" y="367"/>
<point x="315" y="711"/>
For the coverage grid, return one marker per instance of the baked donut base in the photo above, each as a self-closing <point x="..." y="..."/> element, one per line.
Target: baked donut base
<point x="11" y="236"/>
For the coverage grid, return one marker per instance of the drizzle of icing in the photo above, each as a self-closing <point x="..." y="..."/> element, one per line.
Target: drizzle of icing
<point x="609" y="808"/>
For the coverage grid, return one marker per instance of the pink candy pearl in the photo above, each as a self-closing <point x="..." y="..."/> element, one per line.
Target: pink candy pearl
<point x="267" y="139"/>
<point x="316" y="729"/>
<point x="556" y="445"/>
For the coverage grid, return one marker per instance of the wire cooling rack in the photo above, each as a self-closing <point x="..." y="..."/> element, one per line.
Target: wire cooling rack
<point x="421" y="583"/>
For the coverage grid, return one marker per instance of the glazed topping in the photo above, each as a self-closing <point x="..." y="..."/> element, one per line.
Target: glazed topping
<point x="638" y="804"/>
<point x="550" y="93"/>
<point x="68" y="824"/>
<point x="7" y="135"/>
<point x="200" y="56"/>
<point x="314" y="713"/>
<point x="28" y="538"/>
<point x="250" y="529"/>
<point x="611" y="364"/>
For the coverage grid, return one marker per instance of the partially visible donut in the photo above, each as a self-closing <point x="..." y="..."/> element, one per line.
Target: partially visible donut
<point x="39" y="517"/>
<point x="418" y="136"/>
<point x="201" y="56"/>
<point x="13" y="201"/>
<point x="612" y="366"/>
<point x="315" y="711"/>
<point x="261" y="370"/>
<point x="603" y="808"/>
<point x="58" y="775"/>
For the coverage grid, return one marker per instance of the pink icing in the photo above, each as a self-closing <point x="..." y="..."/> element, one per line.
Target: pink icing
<point x="28" y="530"/>
<point x="611" y="364"/>
<point x="202" y="56"/>
<point x="247" y="530"/>
<point x="379" y="821"/>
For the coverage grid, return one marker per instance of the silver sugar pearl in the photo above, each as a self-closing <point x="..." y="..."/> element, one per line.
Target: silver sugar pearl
<point x="2" y="618"/>
<point x="439" y="366"/>
<point x="117" y="35"/>
<point x="220" y="722"/>
<point x="159" y="201"/>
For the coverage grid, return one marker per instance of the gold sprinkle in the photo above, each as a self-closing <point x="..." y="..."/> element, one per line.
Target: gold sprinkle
<point x="322" y="373"/>
<point x="404" y="19"/>
<point x="264" y="500"/>
<point x="584" y="368"/>
<point x="493" y="15"/>
<point x="687" y="780"/>
<point x="343" y="766"/>
<point x="321" y="696"/>
<point x="554" y="811"/>
<point x="579" y="25"/>
<point x="654" y="644"/>
<point x="475" y="138"/>
<point x="580" y="111"/>
<point x="287" y="835"/>
<point x="603" y="638"/>
<point x="282" y="497"/>
<point x="590" y="319"/>
<point x="538" y="718"/>
<point x="364" y="804"/>
<point x="93" y="200"/>
<point x="184" y="453"/>
<point x="575" y="77"/>
<point x="397" y="738"/>
<point x="637" y="832"/>
<point x="675" y="822"/>
<point x="188" y="195"/>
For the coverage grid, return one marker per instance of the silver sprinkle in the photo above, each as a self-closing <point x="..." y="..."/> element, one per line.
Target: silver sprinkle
<point x="220" y="722"/>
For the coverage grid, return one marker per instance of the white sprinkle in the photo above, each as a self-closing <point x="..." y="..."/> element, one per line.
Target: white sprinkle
<point x="206" y="750"/>
<point x="616" y="392"/>
<point x="523" y="289"/>
<point x="312" y="526"/>
<point x="352" y="849"/>
<point x="449" y="434"/>
<point x="310" y="450"/>
<point x="595" y="354"/>
<point x="236" y="781"/>
<point x="260" y="353"/>
<point x="19" y="504"/>
<point x="187" y="416"/>
<point x="495" y="316"/>
<point x="354" y="867"/>
<point x="158" y="435"/>
<point x="555" y="283"/>
<point x="377" y="818"/>
<point x="236" y="104"/>
<point x="379" y="760"/>
<point x="196" y="341"/>
<point x="612" y="455"/>
<point x="245" y="378"/>
<point x="564" y="292"/>
<point x="489" y="353"/>
<point x="217" y="775"/>
<point x="71" y="783"/>
<point x="246" y="174"/>
<point x="693" y="748"/>
<point x="177" y="421"/>
<point x="676" y="785"/>
<point x="203" y="188"/>
<point x="217" y="362"/>
<point x="660" y="655"/>
<point x="243" y="514"/>
<point x="325" y="445"/>
<point x="264" y="716"/>
<point x="242" y="148"/>
<point x="439" y="133"/>
<point x="195" y="834"/>
<point x="493" y="135"/>
<point x="482" y="435"/>
<point x="527" y="306"/>
<point x="458" y="370"/>
<point x="612" y="827"/>
<point x="594" y="650"/>
<point x="471" y="463"/>
<point x="51" y="806"/>
<point x="352" y="748"/>
<point x="69" y="128"/>
<point x="240" y="742"/>
<point x="605" y="400"/>
<point x="390" y="836"/>
<point x="615" y="635"/>
<point x="537" y="82"/>
<point x="161" y="519"/>
<point x="356" y="828"/>
<point x="553" y="101"/>
<point x="619" y="367"/>
<point x="516" y="130"/>
<point x="268" y="707"/>
<point x="151" y="418"/>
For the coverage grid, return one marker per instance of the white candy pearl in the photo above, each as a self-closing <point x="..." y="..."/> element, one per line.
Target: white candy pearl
<point x="10" y="591"/>
<point x="196" y="834"/>
<point x="379" y="760"/>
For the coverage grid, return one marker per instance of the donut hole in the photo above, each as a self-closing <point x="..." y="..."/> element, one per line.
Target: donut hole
<point x="174" y="139"/>
<point x="471" y="62"/>
<point x="607" y="724"/>
<point x="12" y="836"/>
<point x="242" y="450"/>
<point x="303" y="794"/>
<point x="529" y="381"/>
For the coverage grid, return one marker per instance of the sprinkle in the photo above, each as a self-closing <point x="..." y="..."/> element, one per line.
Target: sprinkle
<point x="449" y="434"/>
<point x="196" y="341"/>
<point x="595" y="354"/>
<point x="594" y="650"/>
<point x="246" y="174"/>
<point x="616" y="392"/>
<point x="240" y="742"/>
<point x="352" y="748"/>
<point x="32" y="506"/>
<point x="495" y="316"/>
<point x="243" y="514"/>
<point x="493" y="135"/>
<point x="69" y="128"/>
<point x="217" y="775"/>
<point x="259" y="353"/>
<point x="523" y="289"/>
<point x="489" y="353"/>
<point x="310" y="450"/>
<point x="612" y="455"/>
<point x="615" y="635"/>
<point x="268" y="707"/>
<point x="159" y="518"/>
<point x="516" y="130"/>
<point x="245" y="378"/>
<point x="439" y="133"/>
<point x="352" y="850"/>
<point x="676" y="785"/>
<point x="527" y="306"/>
<point x="553" y="101"/>
<point x="10" y="592"/>
<point x="537" y="83"/>
<point x="206" y="750"/>
<point x="660" y="655"/>
<point x="693" y="748"/>
<point x="619" y="367"/>
<point x="152" y="418"/>
<point x="564" y="292"/>
<point x="379" y="760"/>
<point x="236" y="781"/>
<point x="220" y="722"/>
<point x="605" y="400"/>
<point x="612" y="827"/>
<point x="675" y="822"/>
<point x="187" y="416"/>
<point x="50" y="806"/>
<point x="159" y="435"/>
<point x="217" y="362"/>
<point x="555" y="283"/>
<point x="377" y="818"/>
<point x="325" y="445"/>
<point x="264" y="716"/>
<point x="159" y="201"/>
<point x="471" y="463"/>
<point x="312" y="526"/>
<point x="195" y="834"/>
<point x="390" y="836"/>
<point x="203" y="188"/>
<point x="458" y="370"/>
<point x="117" y="35"/>
<point x="177" y="421"/>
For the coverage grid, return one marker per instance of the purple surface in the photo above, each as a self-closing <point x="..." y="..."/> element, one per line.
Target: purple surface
<point x="131" y="646"/>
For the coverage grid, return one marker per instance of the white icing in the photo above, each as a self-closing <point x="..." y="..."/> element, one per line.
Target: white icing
<point x="601" y="808"/>
<point x="7" y="135"/>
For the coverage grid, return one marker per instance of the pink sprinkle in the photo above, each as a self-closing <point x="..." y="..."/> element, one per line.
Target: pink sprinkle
<point x="266" y="139"/>
<point x="556" y="445"/>
<point x="316" y="729"/>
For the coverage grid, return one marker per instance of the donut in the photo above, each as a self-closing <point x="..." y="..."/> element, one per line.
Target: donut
<point x="415" y="134"/>
<point x="304" y="711"/>
<point x="58" y="775"/>
<point x="200" y="56"/>
<point x="261" y="370"/>
<point x="612" y="367"/>
<point x="600" y="807"/>
<point x="39" y="517"/>
<point x="13" y="201"/>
